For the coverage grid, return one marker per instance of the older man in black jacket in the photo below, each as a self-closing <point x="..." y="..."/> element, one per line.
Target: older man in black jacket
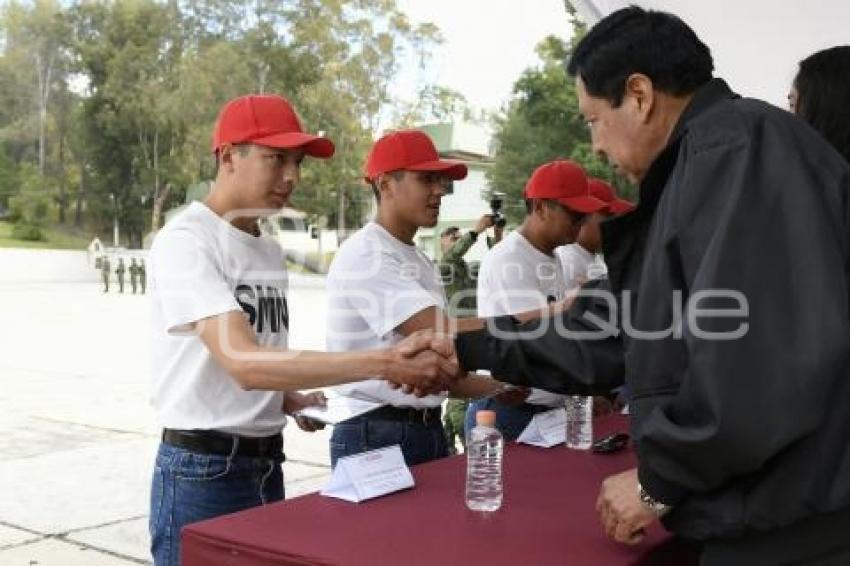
<point x="726" y="306"/>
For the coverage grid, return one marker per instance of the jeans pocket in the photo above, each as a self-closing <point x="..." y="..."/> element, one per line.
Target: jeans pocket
<point x="347" y="439"/>
<point x="203" y="467"/>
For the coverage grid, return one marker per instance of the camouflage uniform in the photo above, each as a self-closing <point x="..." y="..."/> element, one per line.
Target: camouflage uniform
<point x="119" y="273"/>
<point x="134" y="273"/>
<point x="456" y="277"/>
<point x="143" y="276"/>
<point x="104" y="273"/>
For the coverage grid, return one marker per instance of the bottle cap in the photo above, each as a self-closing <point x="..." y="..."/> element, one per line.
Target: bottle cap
<point x="486" y="418"/>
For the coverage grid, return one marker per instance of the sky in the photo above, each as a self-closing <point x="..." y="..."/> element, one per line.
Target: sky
<point x="756" y="44"/>
<point x="488" y="43"/>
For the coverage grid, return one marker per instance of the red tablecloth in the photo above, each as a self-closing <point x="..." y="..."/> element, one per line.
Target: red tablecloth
<point x="547" y="517"/>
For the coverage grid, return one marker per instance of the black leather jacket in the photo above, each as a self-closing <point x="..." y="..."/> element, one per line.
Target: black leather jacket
<point x="740" y="435"/>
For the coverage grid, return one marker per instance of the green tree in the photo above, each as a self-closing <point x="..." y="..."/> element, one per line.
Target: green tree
<point x="39" y="35"/>
<point x="8" y="178"/>
<point x="30" y="205"/>
<point x="36" y="102"/>
<point x="128" y="51"/>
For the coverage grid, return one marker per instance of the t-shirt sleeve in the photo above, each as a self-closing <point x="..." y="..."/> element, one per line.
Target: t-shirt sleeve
<point x="385" y="291"/>
<point x="504" y="288"/>
<point x="488" y="300"/>
<point x="188" y="283"/>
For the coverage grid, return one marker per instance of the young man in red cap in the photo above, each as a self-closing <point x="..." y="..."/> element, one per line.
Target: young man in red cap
<point x="523" y="272"/>
<point x="382" y="288"/>
<point x="582" y="260"/>
<point x="220" y="323"/>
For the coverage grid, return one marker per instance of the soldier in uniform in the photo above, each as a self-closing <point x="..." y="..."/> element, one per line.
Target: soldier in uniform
<point x="104" y="272"/>
<point x="134" y="273"/>
<point x="459" y="283"/>
<point x="119" y="272"/>
<point x="143" y="276"/>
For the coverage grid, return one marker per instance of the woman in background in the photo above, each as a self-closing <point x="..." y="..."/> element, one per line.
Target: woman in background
<point x="820" y="95"/>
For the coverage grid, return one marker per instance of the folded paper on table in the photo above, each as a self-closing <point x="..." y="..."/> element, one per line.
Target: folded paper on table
<point x="546" y="429"/>
<point x="369" y="474"/>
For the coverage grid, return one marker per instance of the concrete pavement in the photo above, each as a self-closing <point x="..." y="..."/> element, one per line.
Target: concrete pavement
<point x="77" y="434"/>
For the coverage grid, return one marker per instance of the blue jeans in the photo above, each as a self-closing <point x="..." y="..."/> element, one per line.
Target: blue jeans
<point x="188" y="487"/>
<point x="510" y="421"/>
<point x="419" y="442"/>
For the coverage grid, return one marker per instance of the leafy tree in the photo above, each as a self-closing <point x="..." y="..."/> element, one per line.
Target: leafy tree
<point x="8" y="178"/>
<point x="29" y="207"/>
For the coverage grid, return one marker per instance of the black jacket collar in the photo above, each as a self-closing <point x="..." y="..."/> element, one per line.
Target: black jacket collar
<point x="619" y="234"/>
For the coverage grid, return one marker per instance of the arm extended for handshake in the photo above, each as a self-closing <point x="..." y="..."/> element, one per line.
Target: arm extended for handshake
<point x="424" y="361"/>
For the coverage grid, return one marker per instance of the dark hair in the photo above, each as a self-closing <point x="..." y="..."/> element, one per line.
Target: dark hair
<point x="398" y="175"/>
<point x="549" y="202"/>
<point x="633" y="40"/>
<point x="823" y="95"/>
<point x="242" y="148"/>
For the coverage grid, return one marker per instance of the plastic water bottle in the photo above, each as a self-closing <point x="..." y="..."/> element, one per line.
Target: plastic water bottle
<point x="484" y="464"/>
<point x="579" y="422"/>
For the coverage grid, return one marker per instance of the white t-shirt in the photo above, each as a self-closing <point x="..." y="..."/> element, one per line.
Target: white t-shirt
<point x="375" y="283"/>
<point x="580" y="265"/>
<point x="202" y="266"/>
<point x="516" y="277"/>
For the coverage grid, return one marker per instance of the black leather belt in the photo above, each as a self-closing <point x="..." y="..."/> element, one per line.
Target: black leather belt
<point x="406" y="414"/>
<point x="222" y="444"/>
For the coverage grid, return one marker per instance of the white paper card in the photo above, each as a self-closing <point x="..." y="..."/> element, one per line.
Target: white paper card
<point x="370" y="474"/>
<point x="541" y="397"/>
<point x="546" y="429"/>
<point x="338" y="409"/>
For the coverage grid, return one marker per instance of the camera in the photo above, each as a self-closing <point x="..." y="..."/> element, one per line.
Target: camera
<point x="499" y="219"/>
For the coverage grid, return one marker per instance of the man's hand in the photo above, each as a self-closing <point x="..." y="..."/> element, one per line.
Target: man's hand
<point x="623" y="516"/>
<point x="423" y="340"/>
<point x="423" y="363"/>
<point x="483" y="223"/>
<point x="294" y="402"/>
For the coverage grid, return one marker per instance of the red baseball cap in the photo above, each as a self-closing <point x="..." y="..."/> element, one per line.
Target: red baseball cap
<point x="409" y="150"/>
<point x="565" y="182"/>
<point x="604" y="192"/>
<point x="268" y="120"/>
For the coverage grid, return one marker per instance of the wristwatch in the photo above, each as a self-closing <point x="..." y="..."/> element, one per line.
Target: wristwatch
<point x="660" y="509"/>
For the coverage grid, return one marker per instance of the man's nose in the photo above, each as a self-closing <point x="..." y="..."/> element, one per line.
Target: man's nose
<point x="291" y="173"/>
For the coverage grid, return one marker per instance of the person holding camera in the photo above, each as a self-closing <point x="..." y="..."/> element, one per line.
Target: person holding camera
<point x="455" y="272"/>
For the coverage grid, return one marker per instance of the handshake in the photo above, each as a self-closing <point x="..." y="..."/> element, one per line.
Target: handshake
<point x="423" y="363"/>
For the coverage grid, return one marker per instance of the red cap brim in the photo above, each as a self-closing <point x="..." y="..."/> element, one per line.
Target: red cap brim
<point x="584" y="204"/>
<point x="451" y="169"/>
<point x="314" y="146"/>
<point x="620" y="206"/>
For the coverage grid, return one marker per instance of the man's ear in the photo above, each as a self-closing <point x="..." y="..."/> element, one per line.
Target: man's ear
<point x="640" y="92"/>
<point x="384" y="184"/>
<point x="539" y="208"/>
<point x="225" y="158"/>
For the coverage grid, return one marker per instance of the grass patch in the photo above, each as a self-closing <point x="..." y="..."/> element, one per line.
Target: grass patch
<point x="55" y="239"/>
